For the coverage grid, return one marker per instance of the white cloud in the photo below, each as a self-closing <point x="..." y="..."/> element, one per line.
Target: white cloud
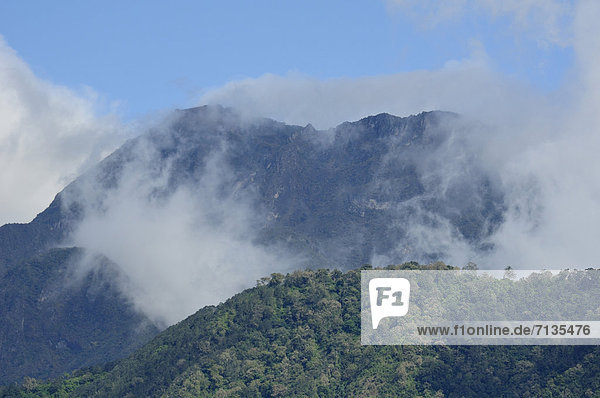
<point x="48" y="135"/>
<point x="180" y="251"/>
<point x="301" y="100"/>
<point x="547" y="21"/>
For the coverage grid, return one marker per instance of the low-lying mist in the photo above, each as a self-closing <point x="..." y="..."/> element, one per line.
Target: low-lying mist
<point x="180" y="242"/>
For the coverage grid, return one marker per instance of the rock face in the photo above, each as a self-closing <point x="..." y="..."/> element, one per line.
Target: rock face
<point x="339" y="197"/>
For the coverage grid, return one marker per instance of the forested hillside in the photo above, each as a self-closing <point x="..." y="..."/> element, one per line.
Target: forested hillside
<point x="299" y="335"/>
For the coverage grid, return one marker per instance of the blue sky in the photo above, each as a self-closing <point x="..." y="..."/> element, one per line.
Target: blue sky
<point x="149" y="55"/>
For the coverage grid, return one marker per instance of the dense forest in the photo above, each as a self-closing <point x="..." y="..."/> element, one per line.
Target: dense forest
<point x="299" y="335"/>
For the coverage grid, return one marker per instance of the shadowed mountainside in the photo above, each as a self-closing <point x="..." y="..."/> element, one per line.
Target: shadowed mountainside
<point x="340" y="197"/>
<point x="50" y="326"/>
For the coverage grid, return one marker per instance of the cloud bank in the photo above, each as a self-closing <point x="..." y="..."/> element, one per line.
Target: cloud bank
<point x="48" y="135"/>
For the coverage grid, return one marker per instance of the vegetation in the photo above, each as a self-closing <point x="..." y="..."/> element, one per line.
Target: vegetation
<point x="299" y="335"/>
<point x="54" y="321"/>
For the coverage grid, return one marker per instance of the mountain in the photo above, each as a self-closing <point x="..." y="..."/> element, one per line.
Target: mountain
<point x="339" y="197"/>
<point x="237" y="197"/>
<point x="299" y="335"/>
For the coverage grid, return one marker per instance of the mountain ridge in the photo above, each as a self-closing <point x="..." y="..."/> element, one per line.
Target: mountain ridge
<point x="52" y="226"/>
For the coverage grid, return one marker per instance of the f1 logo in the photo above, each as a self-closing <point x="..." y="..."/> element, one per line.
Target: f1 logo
<point x="388" y="297"/>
